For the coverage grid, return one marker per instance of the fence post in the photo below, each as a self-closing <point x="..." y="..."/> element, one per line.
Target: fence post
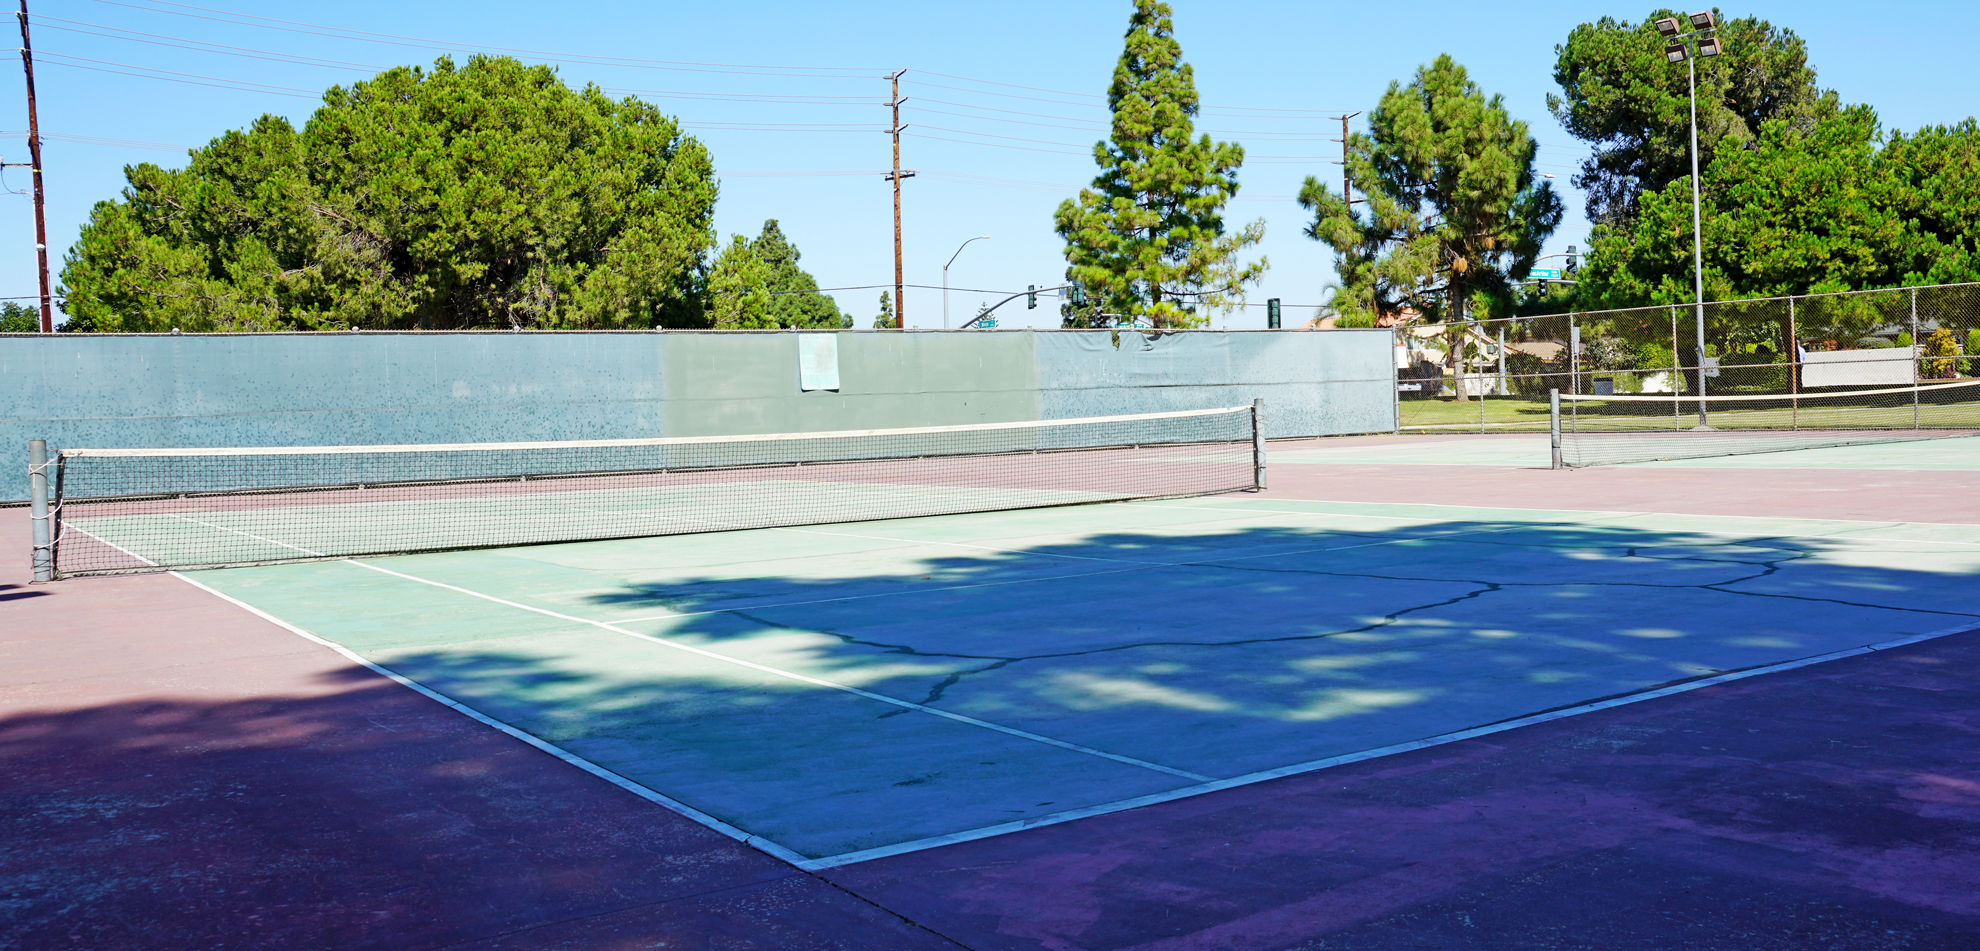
<point x="1574" y="355"/>
<point x="1917" y="366"/>
<point x="43" y="558"/>
<point x="1554" y="424"/>
<point x="1502" y="360"/>
<point x="1395" y="396"/>
<point x="1794" y="366"/>
<point x="1258" y="442"/>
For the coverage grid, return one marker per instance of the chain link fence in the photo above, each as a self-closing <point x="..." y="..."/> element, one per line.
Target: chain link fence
<point x="1494" y="375"/>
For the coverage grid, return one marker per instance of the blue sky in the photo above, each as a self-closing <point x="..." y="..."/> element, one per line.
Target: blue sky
<point x="1005" y="102"/>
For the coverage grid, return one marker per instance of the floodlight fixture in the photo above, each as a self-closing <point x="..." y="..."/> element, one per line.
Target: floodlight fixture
<point x="1676" y="52"/>
<point x="1668" y="26"/>
<point x="1703" y="21"/>
<point x="1709" y="46"/>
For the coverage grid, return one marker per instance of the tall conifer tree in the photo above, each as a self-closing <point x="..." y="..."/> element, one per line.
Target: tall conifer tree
<point x="1148" y="240"/>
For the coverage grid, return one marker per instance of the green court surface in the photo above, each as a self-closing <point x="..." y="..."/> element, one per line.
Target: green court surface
<point x="1531" y="450"/>
<point x="841" y="692"/>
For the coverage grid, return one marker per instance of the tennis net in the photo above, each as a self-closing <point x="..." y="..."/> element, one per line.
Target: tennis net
<point x="1601" y="430"/>
<point x="126" y="510"/>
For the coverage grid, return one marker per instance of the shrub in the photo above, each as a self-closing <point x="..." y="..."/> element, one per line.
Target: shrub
<point x="1940" y="344"/>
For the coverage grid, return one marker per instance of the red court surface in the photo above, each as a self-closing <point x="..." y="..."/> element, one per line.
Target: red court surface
<point x="182" y="774"/>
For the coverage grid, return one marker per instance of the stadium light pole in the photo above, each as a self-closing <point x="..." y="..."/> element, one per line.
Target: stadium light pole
<point x="1680" y="49"/>
<point x="945" y="278"/>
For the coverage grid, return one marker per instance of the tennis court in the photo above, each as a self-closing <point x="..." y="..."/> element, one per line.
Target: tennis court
<point x="835" y="693"/>
<point x="1641" y="705"/>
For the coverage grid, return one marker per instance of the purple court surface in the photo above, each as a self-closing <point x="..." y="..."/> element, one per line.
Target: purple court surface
<point x="179" y="773"/>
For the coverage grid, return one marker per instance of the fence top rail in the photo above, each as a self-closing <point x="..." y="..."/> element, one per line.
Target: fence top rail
<point x="1777" y="397"/>
<point x="1686" y="306"/>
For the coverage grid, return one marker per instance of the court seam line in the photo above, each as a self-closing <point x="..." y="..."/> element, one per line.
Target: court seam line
<point x="801" y="678"/>
<point x="1131" y="566"/>
<point x="917" y="845"/>
<point x="682" y="809"/>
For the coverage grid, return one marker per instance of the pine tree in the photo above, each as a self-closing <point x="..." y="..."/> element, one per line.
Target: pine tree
<point x="796" y="301"/>
<point x="1148" y="239"/>
<point x="1455" y="214"/>
<point x="885" y="321"/>
<point x="757" y="284"/>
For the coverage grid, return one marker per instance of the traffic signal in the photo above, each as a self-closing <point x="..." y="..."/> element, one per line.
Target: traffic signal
<point x="1078" y="293"/>
<point x="1569" y="266"/>
<point x="1272" y="313"/>
<point x="1031" y="297"/>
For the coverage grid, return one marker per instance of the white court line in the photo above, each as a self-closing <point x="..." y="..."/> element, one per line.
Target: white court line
<point x="673" y="805"/>
<point x="71" y="526"/>
<point x="270" y="541"/>
<point x="917" y="845"/>
<point x="793" y="675"/>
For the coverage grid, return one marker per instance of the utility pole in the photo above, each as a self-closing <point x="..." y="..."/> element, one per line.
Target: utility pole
<point x="900" y="284"/>
<point x="34" y="156"/>
<point x="1346" y="184"/>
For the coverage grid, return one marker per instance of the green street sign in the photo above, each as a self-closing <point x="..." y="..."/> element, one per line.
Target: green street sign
<point x="1546" y="273"/>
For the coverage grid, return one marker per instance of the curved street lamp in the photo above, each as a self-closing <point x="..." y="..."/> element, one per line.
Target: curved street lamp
<point x="945" y="277"/>
<point x="1680" y="51"/>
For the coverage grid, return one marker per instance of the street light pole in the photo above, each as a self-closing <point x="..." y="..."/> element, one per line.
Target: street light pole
<point x="1679" y="48"/>
<point x="1697" y="242"/>
<point x="945" y="278"/>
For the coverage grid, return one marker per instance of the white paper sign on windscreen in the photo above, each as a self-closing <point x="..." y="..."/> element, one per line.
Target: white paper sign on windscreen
<point x="818" y="361"/>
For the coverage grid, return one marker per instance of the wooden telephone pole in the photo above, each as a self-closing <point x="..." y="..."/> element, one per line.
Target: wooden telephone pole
<point x="34" y="156"/>
<point x="1346" y="183"/>
<point x="900" y="285"/>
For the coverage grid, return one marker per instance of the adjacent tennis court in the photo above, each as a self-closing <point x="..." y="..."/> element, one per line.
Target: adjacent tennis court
<point x="840" y="692"/>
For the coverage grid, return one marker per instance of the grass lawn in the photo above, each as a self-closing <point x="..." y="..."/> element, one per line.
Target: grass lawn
<point x="1499" y="412"/>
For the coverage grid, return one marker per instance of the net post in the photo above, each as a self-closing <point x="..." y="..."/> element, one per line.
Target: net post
<point x="1554" y="424"/>
<point x="1258" y="443"/>
<point x="43" y="557"/>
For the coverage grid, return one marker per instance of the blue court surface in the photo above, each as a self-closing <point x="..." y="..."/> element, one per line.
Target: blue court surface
<point x="841" y="692"/>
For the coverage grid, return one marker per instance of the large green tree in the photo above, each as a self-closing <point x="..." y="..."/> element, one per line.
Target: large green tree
<point x="490" y="195"/>
<point x="1453" y="212"/>
<point x="19" y="318"/>
<point x="757" y="284"/>
<point x="1840" y="206"/>
<point x="1796" y="212"/>
<point x="1622" y="96"/>
<point x="1149" y="240"/>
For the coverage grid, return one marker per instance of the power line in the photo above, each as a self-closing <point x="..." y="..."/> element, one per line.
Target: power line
<point x="220" y="84"/>
<point x="158" y="39"/>
<point x="97" y="140"/>
<point x="391" y="39"/>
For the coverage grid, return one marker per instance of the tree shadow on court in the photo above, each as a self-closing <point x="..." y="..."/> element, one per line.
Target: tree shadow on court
<point x="1216" y="652"/>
